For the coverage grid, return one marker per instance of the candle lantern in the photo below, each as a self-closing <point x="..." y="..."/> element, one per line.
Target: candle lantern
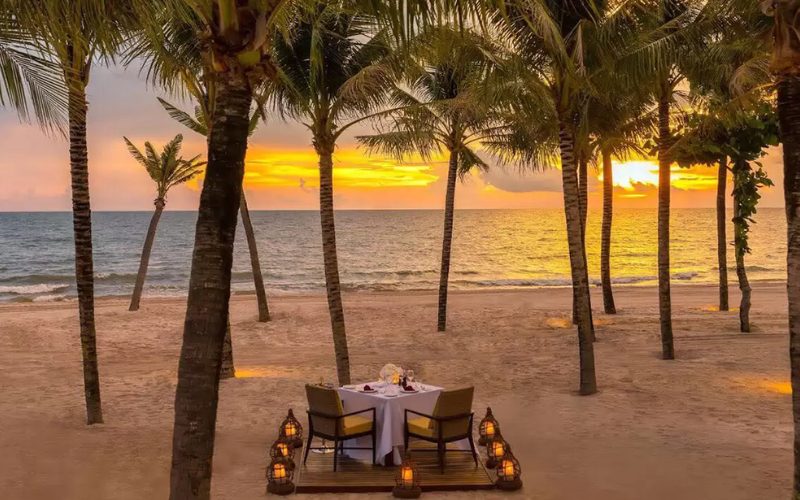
<point x="283" y="449"/>
<point x="509" y="472"/>
<point x="496" y="449"/>
<point x="407" y="480"/>
<point x="487" y="428"/>
<point x="279" y="478"/>
<point x="292" y="430"/>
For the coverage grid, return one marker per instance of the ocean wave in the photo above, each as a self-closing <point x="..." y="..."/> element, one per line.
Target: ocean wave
<point x="36" y="279"/>
<point x="115" y="278"/>
<point x="33" y="289"/>
<point x="762" y="268"/>
<point x="516" y="282"/>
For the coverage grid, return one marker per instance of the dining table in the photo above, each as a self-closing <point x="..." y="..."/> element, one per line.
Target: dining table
<point x="390" y="402"/>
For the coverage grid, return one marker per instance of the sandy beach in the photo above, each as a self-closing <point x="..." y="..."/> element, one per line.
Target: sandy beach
<point x="714" y="424"/>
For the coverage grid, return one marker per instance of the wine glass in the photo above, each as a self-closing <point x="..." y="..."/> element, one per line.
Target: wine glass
<point x="410" y="375"/>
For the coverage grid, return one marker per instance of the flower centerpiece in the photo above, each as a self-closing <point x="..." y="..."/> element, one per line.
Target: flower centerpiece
<point x="391" y="374"/>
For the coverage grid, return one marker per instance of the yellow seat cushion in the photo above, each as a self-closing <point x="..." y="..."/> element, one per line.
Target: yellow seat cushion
<point x="356" y="424"/>
<point x="421" y="426"/>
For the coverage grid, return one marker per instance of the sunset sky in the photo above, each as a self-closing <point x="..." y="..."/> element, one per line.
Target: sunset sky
<point x="281" y="167"/>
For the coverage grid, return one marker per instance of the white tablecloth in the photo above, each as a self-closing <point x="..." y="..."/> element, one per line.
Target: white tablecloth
<point x="389" y="414"/>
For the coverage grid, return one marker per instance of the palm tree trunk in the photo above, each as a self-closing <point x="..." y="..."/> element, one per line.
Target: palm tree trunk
<point x="82" y="228"/>
<point x="605" y="245"/>
<point x="197" y="393"/>
<point x="664" y="184"/>
<point x="739" y="249"/>
<point x="258" y="279"/>
<point x="722" y="240"/>
<point x="447" y="239"/>
<point x="583" y="186"/>
<point x="789" y="118"/>
<point x="583" y="190"/>
<point x="330" y="258"/>
<point x="145" y="260"/>
<point x="227" y="369"/>
<point x="588" y="383"/>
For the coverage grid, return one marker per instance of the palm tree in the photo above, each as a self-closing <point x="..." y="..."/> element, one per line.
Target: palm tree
<point x="444" y="105"/>
<point x="199" y="123"/>
<point x="166" y="170"/>
<point x="30" y="82"/>
<point x="551" y="41"/>
<point x="617" y="122"/>
<point x="722" y="238"/>
<point x="75" y="33"/>
<point x="234" y="40"/>
<point x="680" y="21"/>
<point x="173" y="57"/>
<point x="333" y="72"/>
<point x="785" y="59"/>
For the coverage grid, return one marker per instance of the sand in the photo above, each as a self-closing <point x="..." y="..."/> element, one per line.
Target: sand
<point x="714" y="424"/>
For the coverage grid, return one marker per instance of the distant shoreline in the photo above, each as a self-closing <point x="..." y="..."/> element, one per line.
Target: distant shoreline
<point x="244" y="295"/>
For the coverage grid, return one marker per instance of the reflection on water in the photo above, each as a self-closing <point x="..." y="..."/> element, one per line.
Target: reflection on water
<point x="379" y="250"/>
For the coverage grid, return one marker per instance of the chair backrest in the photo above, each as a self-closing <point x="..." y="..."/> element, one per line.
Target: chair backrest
<point x="451" y="403"/>
<point x="327" y="401"/>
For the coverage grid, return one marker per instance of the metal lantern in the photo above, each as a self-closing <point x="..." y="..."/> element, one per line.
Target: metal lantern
<point x="509" y="472"/>
<point x="407" y="480"/>
<point x="496" y="449"/>
<point x="292" y="430"/>
<point x="487" y="428"/>
<point x="279" y="478"/>
<point x="283" y="449"/>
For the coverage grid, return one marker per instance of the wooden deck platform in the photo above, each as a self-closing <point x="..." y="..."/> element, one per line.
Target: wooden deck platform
<point x="354" y="476"/>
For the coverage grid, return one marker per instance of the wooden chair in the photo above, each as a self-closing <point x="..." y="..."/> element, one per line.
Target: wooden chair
<point x="451" y="421"/>
<point x="327" y="420"/>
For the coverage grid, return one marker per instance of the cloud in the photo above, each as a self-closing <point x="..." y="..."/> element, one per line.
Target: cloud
<point x="514" y="181"/>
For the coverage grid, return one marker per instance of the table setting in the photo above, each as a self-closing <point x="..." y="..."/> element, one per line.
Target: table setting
<point x="395" y="391"/>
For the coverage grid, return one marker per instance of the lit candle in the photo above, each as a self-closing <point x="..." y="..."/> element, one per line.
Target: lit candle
<point x="283" y="449"/>
<point x="508" y="469"/>
<point x="279" y="471"/>
<point x="408" y="476"/>
<point x="498" y="449"/>
<point x="290" y="430"/>
<point x="490" y="429"/>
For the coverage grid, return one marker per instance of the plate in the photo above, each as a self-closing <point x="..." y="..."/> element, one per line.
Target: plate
<point x="412" y="391"/>
<point x="368" y="391"/>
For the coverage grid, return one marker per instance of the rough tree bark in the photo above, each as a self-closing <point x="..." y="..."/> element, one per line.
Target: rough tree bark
<point x="572" y="211"/>
<point x="196" y="396"/>
<point x="82" y="230"/>
<point x="145" y="260"/>
<point x="664" y="184"/>
<point x="447" y="239"/>
<point x="258" y="278"/>
<point x="789" y="118"/>
<point x="227" y="369"/>
<point x="722" y="239"/>
<point x="583" y="191"/>
<point x="324" y="149"/>
<point x="605" y="245"/>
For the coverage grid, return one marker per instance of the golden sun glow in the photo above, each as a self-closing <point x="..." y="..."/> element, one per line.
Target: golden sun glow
<point x="636" y="176"/>
<point x="292" y="168"/>
<point x="630" y="173"/>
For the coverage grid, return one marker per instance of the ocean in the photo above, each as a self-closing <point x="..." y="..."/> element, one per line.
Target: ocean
<point x="378" y="250"/>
